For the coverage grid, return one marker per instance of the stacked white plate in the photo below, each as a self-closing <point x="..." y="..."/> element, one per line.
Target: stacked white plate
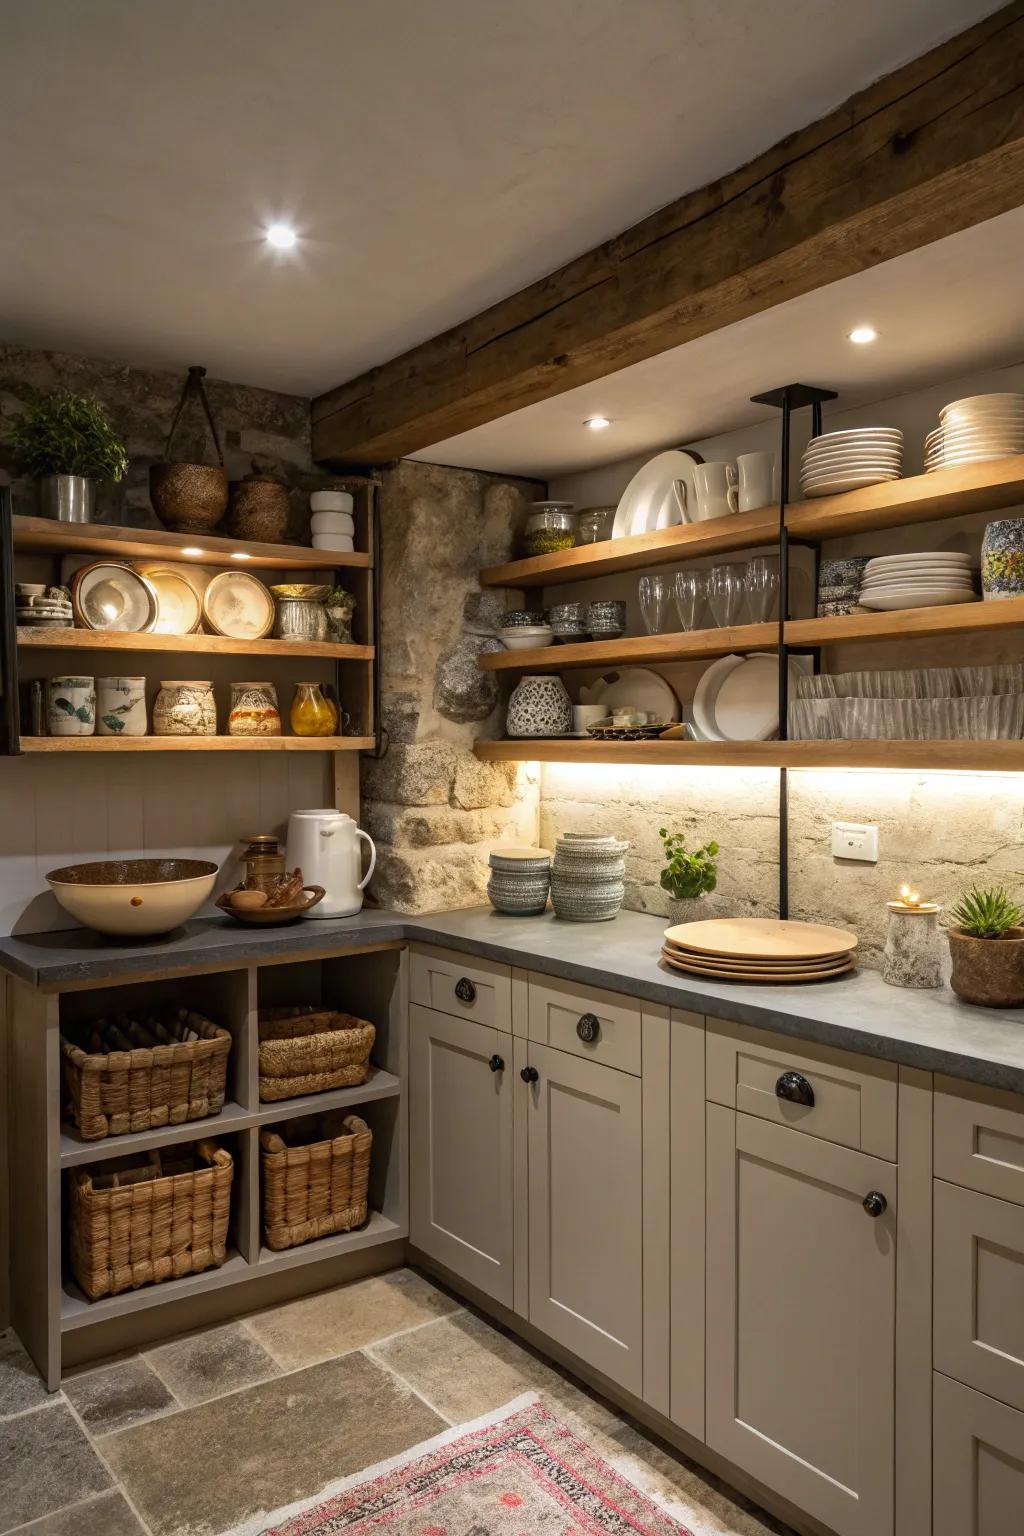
<point x="930" y="580"/>
<point x="845" y="461"/>
<point x="974" y="429"/>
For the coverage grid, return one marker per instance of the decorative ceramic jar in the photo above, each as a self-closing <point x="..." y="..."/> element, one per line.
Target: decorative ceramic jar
<point x="121" y="706"/>
<point x="300" y="618"/>
<point x="539" y="706"/>
<point x="71" y="706"/>
<point x="259" y="508"/>
<point x="1002" y="558"/>
<point x="312" y="713"/>
<point x="185" y="709"/>
<point x="520" y="880"/>
<point x="254" y="710"/>
<point x="587" y="884"/>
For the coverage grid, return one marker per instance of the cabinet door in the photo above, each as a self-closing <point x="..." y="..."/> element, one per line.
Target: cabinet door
<point x="586" y="1209"/>
<point x="801" y="1289"/>
<point x="979" y="1291"/>
<point x="979" y="1464"/>
<point x="461" y="1148"/>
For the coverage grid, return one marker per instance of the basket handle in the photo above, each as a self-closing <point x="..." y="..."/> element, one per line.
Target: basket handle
<point x="194" y="386"/>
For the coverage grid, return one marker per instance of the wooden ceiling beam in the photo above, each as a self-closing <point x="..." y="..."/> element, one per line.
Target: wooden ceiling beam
<point x="933" y="148"/>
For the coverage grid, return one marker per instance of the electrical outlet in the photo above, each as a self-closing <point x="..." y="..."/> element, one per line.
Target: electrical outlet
<point x="854" y="840"/>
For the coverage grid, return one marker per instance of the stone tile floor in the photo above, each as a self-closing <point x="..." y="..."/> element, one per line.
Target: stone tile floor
<point x="193" y="1437"/>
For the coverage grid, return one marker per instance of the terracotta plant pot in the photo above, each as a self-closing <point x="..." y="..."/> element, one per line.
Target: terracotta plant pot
<point x="189" y="498"/>
<point x="989" y="972"/>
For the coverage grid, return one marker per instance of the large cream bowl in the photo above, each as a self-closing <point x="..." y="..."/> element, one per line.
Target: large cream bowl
<point x="133" y="897"/>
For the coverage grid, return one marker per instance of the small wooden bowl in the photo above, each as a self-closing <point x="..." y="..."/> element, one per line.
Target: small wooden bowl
<point x="270" y="917"/>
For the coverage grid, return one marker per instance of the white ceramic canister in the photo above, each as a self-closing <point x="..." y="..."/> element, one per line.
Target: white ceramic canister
<point x="71" y="706"/>
<point x="121" y="706"/>
<point x="185" y="709"/>
<point x="326" y="846"/>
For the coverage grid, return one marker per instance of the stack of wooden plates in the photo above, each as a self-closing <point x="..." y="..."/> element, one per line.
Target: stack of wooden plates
<point x="759" y="949"/>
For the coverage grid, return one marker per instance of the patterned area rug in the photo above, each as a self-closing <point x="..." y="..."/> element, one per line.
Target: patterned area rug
<point x="518" y="1472"/>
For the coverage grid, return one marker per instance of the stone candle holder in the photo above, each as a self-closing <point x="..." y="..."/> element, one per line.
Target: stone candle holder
<point x="913" y="955"/>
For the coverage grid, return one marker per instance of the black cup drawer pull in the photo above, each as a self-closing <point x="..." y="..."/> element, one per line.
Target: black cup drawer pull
<point x="795" y="1087"/>
<point x="496" y="1064"/>
<point x="465" y="990"/>
<point x="529" y="1074"/>
<point x="875" y="1203"/>
<point x="589" y="1027"/>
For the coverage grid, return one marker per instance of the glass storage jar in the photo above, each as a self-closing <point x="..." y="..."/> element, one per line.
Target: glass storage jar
<point x="254" y="710"/>
<point x="550" y="526"/>
<point x="595" y="524"/>
<point x="264" y="862"/>
<point x="312" y="713"/>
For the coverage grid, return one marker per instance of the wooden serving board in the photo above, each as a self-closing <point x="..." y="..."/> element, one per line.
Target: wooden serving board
<point x="762" y="938"/>
<point x="818" y="974"/>
<point x="728" y="963"/>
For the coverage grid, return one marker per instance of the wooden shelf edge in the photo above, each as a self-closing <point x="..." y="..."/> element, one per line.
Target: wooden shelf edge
<point x="42" y="534"/>
<point x="924" y="756"/>
<point x="224" y="645"/>
<point x="197" y="743"/>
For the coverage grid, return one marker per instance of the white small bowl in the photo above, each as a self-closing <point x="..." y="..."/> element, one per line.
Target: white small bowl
<point x="331" y="501"/>
<point x="333" y="522"/>
<point x="337" y="543"/>
<point x="522" y="639"/>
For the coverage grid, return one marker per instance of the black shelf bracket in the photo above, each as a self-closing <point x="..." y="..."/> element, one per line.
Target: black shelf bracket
<point x="10" y="718"/>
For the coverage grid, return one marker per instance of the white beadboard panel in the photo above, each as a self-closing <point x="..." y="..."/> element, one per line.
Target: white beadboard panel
<point x="56" y="811"/>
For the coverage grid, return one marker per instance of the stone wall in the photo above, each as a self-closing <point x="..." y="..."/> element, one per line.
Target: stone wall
<point x="140" y="402"/>
<point x="433" y="809"/>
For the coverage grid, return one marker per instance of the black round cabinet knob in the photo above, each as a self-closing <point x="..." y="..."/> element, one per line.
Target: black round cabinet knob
<point x="588" y="1028"/>
<point x="496" y="1064"/>
<point x="465" y="990"/>
<point x="795" y="1087"/>
<point x="875" y="1203"/>
<point x="530" y="1075"/>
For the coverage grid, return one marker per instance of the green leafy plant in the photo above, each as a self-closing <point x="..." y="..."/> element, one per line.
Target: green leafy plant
<point x="66" y="434"/>
<point x="687" y="874"/>
<point x="986" y="914"/>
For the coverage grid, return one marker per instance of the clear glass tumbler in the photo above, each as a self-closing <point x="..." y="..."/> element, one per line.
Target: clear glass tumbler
<point x="691" y="595"/>
<point x="725" y="593"/>
<point x="655" y="598"/>
<point x="762" y="584"/>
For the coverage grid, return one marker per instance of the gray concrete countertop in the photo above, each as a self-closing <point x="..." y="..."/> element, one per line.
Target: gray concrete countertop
<point x="932" y="1030"/>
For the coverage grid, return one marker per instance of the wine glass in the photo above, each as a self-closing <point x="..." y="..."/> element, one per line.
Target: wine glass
<point x="762" y="588"/>
<point x="691" y="593"/>
<point x="725" y="593"/>
<point x="655" y="596"/>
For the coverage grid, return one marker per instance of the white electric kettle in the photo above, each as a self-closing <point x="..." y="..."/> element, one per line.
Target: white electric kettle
<point x="325" y="846"/>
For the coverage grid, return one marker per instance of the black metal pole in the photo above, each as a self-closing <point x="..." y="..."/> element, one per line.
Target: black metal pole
<point x="11" y="720"/>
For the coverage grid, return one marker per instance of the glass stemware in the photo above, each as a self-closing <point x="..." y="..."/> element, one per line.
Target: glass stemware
<point x="725" y="593"/>
<point x="655" y="596"/>
<point x="691" y="594"/>
<point x="762" y="585"/>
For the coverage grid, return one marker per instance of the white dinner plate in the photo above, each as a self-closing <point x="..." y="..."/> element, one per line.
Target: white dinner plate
<point x="635" y="688"/>
<point x="972" y="405"/>
<point x="855" y="464"/>
<point x="659" y="495"/>
<point x="845" y="483"/>
<point x="917" y="597"/>
<point x="704" y="696"/>
<point x="912" y="578"/>
<point x="849" y="433"/>
<point x="959" y="556"/>
<point x="850" y="455"/>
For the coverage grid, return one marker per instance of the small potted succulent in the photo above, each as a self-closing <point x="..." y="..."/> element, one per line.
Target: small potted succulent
<point x="66" y="443"/>
<point x="986" y="943"/>
<point x="687" y="875"/>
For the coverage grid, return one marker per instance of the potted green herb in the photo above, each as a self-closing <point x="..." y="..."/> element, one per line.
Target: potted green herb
<point x="687" y="874"/>
<point x="66" y="443"/>
<point x="986" y="944"/>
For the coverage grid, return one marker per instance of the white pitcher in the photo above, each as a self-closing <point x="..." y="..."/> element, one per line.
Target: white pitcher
<point x="325" y="845"/>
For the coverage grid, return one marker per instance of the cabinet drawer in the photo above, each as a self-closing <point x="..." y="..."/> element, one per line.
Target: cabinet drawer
<point x="850" y="1100"/>
<point x="979" y="1291"/>
<point x="979" y="1464"/>
<point x="467" y="988"/>
<point x="979" y="1138"/>
<point x="601" y="1026"/>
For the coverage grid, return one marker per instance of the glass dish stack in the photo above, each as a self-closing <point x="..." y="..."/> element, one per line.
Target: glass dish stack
<point x="922" y="704"/>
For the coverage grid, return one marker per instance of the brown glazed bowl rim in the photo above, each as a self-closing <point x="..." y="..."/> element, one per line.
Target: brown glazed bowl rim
<point x="109" y="873"/>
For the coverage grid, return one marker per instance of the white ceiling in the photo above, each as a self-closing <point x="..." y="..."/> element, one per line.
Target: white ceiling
<point x="939" y="312"/>
<point x="436" y="155"/>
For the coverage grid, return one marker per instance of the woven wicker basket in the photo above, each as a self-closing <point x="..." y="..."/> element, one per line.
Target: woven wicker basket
<point x="149" y="1222"/>
<point x="313" y="1190"/>
<point x="174" y="1071"/>
<point x="306" y="1050"/>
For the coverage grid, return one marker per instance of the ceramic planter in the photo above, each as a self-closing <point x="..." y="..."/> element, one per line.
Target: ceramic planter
<point x="539" y="706"/>
<point x="121" y="706"/>
<point x="1002" y="558"/>
<point x="71" y="706"/>
<point x="989" y="972"/>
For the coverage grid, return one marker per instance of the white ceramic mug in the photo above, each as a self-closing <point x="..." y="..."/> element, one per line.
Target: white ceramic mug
<point x="587" y="714"/>
<point x="756" y="480"/>
<point x="716" y="491"/>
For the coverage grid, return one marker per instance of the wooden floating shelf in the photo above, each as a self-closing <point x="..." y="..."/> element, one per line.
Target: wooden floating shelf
<point x="222" y="645"/>
<point x="921" y="498"/>
<point x="197" y="743"/>
<point x="45" y="536"/>
<point x="927" y="756"/>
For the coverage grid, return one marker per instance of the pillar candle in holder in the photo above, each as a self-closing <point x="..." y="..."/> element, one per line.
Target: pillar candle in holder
<point x="912" y="949"/>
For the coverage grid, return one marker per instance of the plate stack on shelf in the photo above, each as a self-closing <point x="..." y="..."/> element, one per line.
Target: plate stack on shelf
<point x="846" y="461"/>
<point x="761" y="949"/>
<point x="932" y="579"/>
<point x="977" y="428"/>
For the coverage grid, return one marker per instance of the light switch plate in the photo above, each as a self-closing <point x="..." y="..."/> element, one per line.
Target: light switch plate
<point x="855" y="840"/>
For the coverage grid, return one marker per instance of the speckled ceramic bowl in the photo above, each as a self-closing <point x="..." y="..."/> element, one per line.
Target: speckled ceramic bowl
<point x="133" y="897"/>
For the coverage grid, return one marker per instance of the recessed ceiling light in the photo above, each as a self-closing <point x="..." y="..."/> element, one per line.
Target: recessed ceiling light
<point x="281" y="236"/>
<point x="191" y="549"/>
<point x="862" y="334"/>
<point x="597" y="423"/>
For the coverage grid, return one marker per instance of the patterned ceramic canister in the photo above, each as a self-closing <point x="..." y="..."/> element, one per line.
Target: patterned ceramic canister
<point x="539" y="706"/>
<point x="254" y="710"/>
<point x="1002" y="559"/>
<point x="121" y="706"/>
<point x="71" y="706"/>
<point x="185" y="709"/>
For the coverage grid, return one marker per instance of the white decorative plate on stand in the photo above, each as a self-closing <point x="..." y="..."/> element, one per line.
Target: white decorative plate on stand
<point x="658" y="494"/>
<point x="634" y="688"/>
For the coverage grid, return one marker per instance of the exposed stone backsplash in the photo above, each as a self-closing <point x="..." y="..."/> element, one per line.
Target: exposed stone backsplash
<point x="140" y="403"/>
<point x="433" y="809"/>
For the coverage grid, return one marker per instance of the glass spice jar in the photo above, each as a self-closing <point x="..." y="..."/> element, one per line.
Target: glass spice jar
<point x="550" y="526"/>
<point x="312" y="713"/>
<point x="264" y="862"/>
